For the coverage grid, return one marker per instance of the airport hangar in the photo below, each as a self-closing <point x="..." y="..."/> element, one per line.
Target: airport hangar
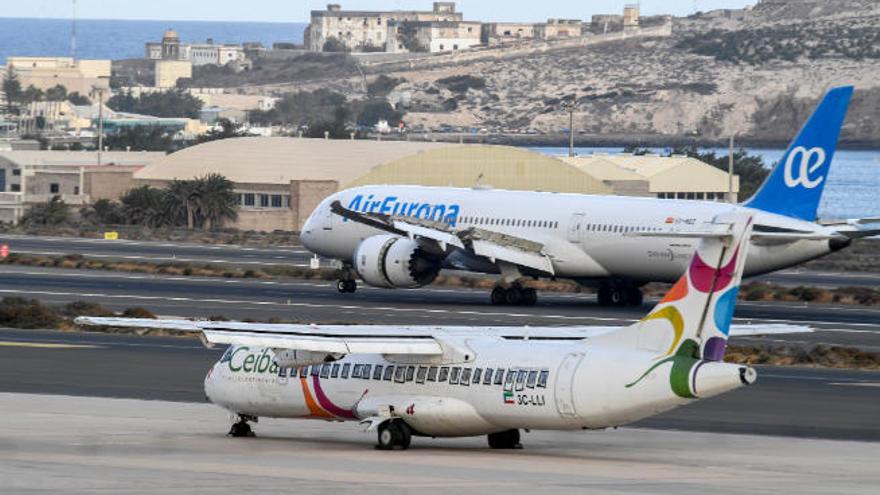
<point x="280" y="180"/>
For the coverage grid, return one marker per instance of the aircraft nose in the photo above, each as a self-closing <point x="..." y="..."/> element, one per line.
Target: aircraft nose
<point x="209" y="384"/>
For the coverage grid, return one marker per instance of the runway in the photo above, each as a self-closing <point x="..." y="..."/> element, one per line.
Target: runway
<point x="163" y="252"/>
<point x="86" y="445"/>
<point x="794" y="402"/>
<point x="319" y="302"/>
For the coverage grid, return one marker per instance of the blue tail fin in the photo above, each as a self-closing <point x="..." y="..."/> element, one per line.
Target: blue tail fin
<point x="795" y="185"/>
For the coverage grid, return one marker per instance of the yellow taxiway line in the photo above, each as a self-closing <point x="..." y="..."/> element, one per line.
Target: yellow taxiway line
<point x="44" y="345"/>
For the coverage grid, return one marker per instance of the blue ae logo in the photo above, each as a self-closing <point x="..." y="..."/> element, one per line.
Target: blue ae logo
<point x="810" y="161"/>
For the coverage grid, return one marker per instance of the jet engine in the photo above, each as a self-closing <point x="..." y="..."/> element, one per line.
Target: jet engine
<point x="292" y="358"/>
<point x="392" y="261"/>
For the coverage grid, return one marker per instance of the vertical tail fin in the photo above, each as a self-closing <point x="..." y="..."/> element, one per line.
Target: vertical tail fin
<point x="698" y="309"/>
<point x="794" y="187"/>
<point x="690" y="325"/>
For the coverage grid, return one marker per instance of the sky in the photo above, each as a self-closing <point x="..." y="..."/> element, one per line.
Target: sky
<point x="298" y="10"/>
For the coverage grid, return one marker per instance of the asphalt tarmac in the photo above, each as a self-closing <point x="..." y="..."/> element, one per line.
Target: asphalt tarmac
<point x="795" y="402"/>
<point x="318" y="302"/>
<point x="147" y="251"/>
<point x="85" y="445"/>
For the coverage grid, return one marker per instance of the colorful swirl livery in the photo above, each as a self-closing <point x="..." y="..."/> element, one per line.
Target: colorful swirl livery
<point x="697" y="312"/>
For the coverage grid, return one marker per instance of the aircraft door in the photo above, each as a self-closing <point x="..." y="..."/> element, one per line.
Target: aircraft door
<point x="564" y="384"/>
<point x="327" y="219"/>
<point x="575" y="227"/>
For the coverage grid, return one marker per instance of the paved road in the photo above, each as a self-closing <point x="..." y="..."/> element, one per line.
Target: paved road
<point x="299" y="256"/>
<point x="318" y="302"/>
<point x="785" y="401"/>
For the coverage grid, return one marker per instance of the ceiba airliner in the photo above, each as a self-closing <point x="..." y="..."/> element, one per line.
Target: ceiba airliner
<point x="468" y="381"/>
<point x="402" y="236"/>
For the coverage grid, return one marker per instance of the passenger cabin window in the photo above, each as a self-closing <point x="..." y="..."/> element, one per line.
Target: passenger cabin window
<point x="477" y="374"/>
<point x="466" y="376"/>
<point x="521" y="379"/>
<point x="454" y="374"/>
<point x="420" y="374"/>
<point x="509" y="379"/>
<point x="345" y="369"/>
<point x="410" y="373"/>
<point x="389" y="372"/>
<point x="542" y="379"/>
<point x="499" y="376"/>
<point x="356" y="373"/>
<point x="316" y="370"/>
<point x="444" y="374"/>
<point x="304" y="372"/>
<point x="432" y="374"/>
<point x="377" y="372"/>
<point x="487" y="378"/>
<point x="334" y="372"/>
<point x="325" y="371"/>
<point x="533" y="378"/>
<point x="366" y="373"/>
<point x="398" y="374"/>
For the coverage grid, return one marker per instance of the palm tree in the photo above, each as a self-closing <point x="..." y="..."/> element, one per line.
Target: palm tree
<point x="184" y="198"/>
<point x="145" y="205"/>
<point x="218" y="201"/>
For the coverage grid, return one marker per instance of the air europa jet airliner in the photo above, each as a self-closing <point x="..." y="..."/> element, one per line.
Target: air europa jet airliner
<point x="402" y="236"/>
<point x="467" y="381"/>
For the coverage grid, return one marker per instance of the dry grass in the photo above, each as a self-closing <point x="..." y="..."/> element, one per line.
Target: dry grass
<point x="817" y="356"/>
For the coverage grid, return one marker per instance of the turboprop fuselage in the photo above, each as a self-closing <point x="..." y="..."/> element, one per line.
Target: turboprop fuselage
<point x="584" y="236"/>
<point x="509" y="384"/>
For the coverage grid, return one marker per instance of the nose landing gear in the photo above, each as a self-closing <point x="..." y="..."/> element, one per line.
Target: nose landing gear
<point x="242" y="427"/>
<point x="346" y="283"/>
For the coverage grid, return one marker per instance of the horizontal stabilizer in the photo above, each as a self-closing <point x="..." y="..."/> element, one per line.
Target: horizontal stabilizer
<point x="752" y="330"/>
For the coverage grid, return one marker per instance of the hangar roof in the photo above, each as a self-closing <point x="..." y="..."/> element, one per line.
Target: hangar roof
<point x="279" y="160"/>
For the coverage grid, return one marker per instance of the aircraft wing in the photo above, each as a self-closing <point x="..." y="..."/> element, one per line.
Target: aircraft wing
<point x="489" y="244"/>
<point x="379" y="339"/>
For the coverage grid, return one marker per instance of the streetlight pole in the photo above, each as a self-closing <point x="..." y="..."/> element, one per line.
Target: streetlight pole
<point x="100" y="123"/>
<point x="730" y="197"/>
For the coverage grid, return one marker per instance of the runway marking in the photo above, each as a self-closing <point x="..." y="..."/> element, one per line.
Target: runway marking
<point x="856" y="384"/>
<point x="163" y="258"/>
<point x="45" y="345"/>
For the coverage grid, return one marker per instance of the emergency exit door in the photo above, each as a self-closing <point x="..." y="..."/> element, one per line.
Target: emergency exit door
<point x="575" y="227"/>
<point x="565" y="384"/>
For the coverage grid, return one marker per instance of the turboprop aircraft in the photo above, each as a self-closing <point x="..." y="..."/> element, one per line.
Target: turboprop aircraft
<point x="467" y="381"/>
<point x="402" y="236"/>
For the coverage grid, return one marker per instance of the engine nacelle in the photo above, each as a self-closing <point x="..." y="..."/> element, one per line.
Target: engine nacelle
<point x="289" y="358"/>
<point x="392" y="261"/>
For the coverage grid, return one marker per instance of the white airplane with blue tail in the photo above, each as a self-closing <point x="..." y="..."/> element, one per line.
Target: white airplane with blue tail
<point x="402" y="236"/>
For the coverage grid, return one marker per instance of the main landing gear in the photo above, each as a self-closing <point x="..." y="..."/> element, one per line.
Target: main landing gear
<point x="505" y="440"/>
<point x="242" y="427"/>
<point x="394" y="434"/>
<point x="619" y="293"/>
<point x="515" y="295"/>
<point x="346" y="283"/>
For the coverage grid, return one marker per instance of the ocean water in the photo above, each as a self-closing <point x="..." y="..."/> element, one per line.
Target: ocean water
<point x="114" y="39"/>
<point x="852" y="188"/>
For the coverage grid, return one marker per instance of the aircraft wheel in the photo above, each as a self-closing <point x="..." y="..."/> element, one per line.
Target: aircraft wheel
<point x="499" y="296"/>
<point x="604" y="296"/>
<point x="617" y="296"/>
<point x="504" y="440"/>
<point x="241" y="429"/>
<point x="393" y="434"/>
<point x="513" y="296"/>
<point x="529" y="297"/>
<point x="346" y="286"/>
<point x="634" y="296"/>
